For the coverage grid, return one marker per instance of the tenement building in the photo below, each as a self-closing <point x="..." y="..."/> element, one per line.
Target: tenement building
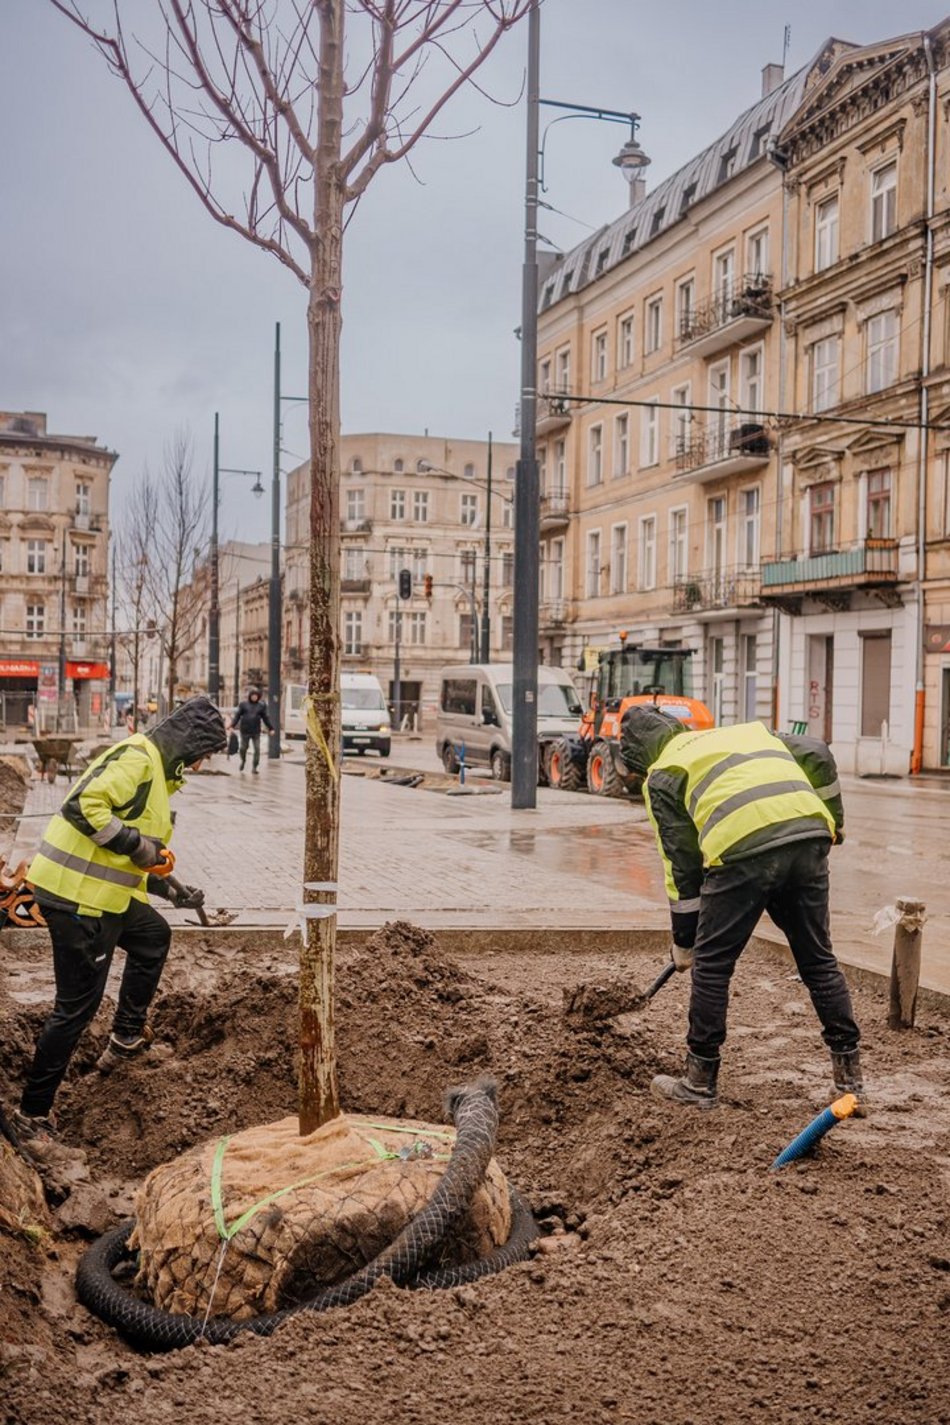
<point x="742" y="386"/>
<point x="54" y="537"/>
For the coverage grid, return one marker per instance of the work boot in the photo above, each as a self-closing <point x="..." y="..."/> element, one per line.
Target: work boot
<point x="697" y="1087"/>
<point x="846" y="1069"/>
<point x="123" y="1048"/>
<point x="38" y="1142"/>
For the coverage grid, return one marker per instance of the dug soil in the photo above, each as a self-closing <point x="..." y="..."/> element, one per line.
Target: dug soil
<point x="678" y="1279"/>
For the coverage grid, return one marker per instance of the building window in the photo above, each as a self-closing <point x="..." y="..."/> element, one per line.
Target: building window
<point x="81" y="560"/>
<point x="653" y="325"/>
<point x="682" y="419"/>
<point x="467" y="637"/>
<point x="646" y="561"/>
<point x="621" y="445"/>
<point x="507" y="569"/>
<point x="685" y="304"/>
<point x="593" y="563"/>
<point x="397" y="504"/>
<point x="79" y="620"/>
<point x="355" y="505"/>
<point x="353" y="631"/>
<point x="757" y="253"/>
<point x="398" y="559"/>
<point x="509" y="472"/>
<point x="649" y="434"/>
<point x="618" y="559"/>
<point x="821" y="519"/>
<point x="679" y="549"/>
<point x="556" y="569"/>
<point x="826" y="234"/>
<point x="598" y="357"/>
<point x="727" y="164"/>
<point x="883" y="202"/>
<point x="356" y="465"/>
<point x="398" y="467"/>
<point x="595" y="455"/>
<point x="824" y="374"/>
<point x="469" y="509"/>
<point x="562" y="362"/>
<point x="625" y="347"/>
<point x="724" y="274"/>
<point x="1" y="491"/>
<point x="875" y="683"/>
<point x="749" y="505"/>
<point x="716" y="534"/>
<point x="560" y="468"/>
<point x="414" y="628"/>
<point x="507" y="633"/>
<point x="420" y="506"/>
<point x="35" y="620"/>
<point x="420" y="565"/>
<point x="37" y="493"/>
<point x="36" y="556"/>
<point x="508" y="514"/>
<point x="354" y="561"/>
<point x="544" y="376"/>
<point x="717" y="678"/>
<point x="879" y="504"/>
<point x="469" y="472"/>
<point x="749" y="689"/>
<point x="750" y="374"/>
<point x="83" y="498"/>
<point x="467" y="567"/>
<point x="882" y="351"/>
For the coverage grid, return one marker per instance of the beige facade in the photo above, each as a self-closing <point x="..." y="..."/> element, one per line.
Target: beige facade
<point x="418" y="503"/>
<point x="54" y="539"/>
<point x="788" y="287"/>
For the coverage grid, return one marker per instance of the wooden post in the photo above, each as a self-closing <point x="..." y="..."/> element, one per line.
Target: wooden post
<point x="905" y="966"/>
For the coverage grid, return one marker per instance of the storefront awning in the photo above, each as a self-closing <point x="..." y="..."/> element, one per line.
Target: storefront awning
<point x="19" y="668"/>
<point x="87" y="670"/>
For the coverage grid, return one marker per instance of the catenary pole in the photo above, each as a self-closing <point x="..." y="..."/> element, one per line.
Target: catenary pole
<point x="274" y="611"/>
<point x="214" y="612"/>
<point x="486" y="580"/>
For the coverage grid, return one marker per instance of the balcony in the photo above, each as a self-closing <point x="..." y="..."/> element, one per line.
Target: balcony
<point x="552" y="612"/>
<point x="295" y="655"/>
<point x="553" y="412"/>
<point x="833" y="575"/>
<point x="734" y="314"/>
<point x="716" y="591"/>
<point x="722" y="449"/>
<point x="356" y="526"/>
<point x="84" y="522"/>
<point x="555" y="511"/>
<point x="356" y="586"/>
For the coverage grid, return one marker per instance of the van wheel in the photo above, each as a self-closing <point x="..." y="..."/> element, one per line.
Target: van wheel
<point x="500" y="766"/>
<point x="563" y="772"/>
<point x="602" y="779"/>
<point x="449" y="760"/>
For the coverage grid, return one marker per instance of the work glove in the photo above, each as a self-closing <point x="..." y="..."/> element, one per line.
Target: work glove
<point x="682" y="957"/>
<point x="186" y="897"/>
<point x="148" y="853"/>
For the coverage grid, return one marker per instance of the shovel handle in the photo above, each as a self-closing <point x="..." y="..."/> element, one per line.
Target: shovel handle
<point x="199" y="910"/>
<point x="665" y="974"/>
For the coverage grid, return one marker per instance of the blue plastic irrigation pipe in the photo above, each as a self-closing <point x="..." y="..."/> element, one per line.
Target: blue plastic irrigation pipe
<point x="842" y="1107"/>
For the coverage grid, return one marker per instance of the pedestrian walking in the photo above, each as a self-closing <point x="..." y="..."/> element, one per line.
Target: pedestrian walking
<point x="744" y="821"/>
<point x="92" y="876"/>
<point x="246" y="721"/>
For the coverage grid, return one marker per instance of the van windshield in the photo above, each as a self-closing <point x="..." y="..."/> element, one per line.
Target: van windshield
<point x="554" y="699"/>
<point x="367" y="699"/>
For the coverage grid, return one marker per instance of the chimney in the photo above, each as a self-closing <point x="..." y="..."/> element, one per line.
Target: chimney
<point x="638" y="189"/>
<point x="772" y="76"/>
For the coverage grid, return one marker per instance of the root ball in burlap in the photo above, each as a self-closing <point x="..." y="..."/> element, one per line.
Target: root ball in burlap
<point x="270" y="1218"/>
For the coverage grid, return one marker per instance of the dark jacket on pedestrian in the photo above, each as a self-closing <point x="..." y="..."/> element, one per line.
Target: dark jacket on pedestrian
<point x="724" y="795"/>
<point x="249" y="716"/>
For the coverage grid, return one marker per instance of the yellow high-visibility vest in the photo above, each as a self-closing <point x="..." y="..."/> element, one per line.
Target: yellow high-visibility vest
<point x="123" y="786"/>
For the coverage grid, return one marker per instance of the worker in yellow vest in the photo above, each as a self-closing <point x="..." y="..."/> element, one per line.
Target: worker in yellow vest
<point x="744" y="820"/>
<point x="92" y="878"/>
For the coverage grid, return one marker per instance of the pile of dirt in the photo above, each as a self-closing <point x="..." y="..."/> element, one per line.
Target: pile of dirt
<point x="14" y="785"/>
<point x="678" y="1280"/>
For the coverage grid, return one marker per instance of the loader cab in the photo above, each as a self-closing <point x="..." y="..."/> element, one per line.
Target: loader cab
<point x="634" y="671"/>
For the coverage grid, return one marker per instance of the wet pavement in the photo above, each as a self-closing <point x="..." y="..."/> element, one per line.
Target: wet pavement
<point x="576" y="861"/>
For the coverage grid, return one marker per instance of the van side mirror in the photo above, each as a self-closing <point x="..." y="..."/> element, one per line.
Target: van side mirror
<point x="489" y="717"/>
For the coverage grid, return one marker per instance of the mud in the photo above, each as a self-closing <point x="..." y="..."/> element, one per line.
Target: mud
<point x="679" y="1280"/>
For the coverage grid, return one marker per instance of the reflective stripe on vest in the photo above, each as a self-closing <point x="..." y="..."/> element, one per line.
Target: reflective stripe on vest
<point x="740" y="780"/>
<point x="85" y="867"/>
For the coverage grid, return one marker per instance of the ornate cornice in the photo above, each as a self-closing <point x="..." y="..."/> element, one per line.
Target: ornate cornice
<point x="831" y="115"/>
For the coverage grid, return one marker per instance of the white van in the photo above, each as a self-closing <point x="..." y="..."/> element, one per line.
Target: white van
<point x="364" y="714"/>
<point x="474" y="713"/>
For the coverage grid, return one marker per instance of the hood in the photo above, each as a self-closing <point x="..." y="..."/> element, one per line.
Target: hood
<point x="644" y="733"/>
<point x="194" y="730"/>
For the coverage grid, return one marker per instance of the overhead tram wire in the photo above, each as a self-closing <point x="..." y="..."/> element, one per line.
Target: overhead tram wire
<point x="759" y="415"/>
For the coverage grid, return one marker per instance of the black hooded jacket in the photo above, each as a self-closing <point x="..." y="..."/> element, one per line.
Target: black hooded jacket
<point x="249" y="716"/>
<point x="192" y="731"/>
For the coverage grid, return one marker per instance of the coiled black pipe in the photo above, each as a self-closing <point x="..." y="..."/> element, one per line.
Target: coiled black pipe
<point x="474" y="1111"/>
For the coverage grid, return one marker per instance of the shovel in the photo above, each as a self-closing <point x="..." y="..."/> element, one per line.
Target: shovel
<point x="199" y="910"/>
<point x="590" y="1004"/>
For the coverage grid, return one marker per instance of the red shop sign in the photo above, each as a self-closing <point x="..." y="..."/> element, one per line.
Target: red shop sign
<point x="87" y="670"/>
<point x="18" y="668"/>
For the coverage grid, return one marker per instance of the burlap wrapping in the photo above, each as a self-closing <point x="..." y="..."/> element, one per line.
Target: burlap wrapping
<point x="353" y="1185"/>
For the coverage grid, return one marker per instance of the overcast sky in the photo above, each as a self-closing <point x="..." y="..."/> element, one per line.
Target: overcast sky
<point x="127" y="313"/>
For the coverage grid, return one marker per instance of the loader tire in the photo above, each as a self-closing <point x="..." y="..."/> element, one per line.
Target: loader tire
<point x="563" y="772"/>
<point x="602" y="779"/>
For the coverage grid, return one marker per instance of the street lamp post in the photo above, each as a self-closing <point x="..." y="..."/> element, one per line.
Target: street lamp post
<point x="214" y="611"/>
<point x="486" y="574"/>
<point x="630" y="160"/>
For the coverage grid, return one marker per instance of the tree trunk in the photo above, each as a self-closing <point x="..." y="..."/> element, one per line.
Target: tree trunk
<point x="319" y="1096"/>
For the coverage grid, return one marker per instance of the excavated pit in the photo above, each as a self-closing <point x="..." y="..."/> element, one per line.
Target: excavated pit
<point x="678" y="1279"/>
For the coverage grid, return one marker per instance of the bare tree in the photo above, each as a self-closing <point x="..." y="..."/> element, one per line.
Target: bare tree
<point x="317" y="124"/>
<point x="135" y="597"/>
<point x="177" y="574"/>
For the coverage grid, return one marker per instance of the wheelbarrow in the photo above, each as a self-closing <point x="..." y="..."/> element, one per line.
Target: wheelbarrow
<point x="54" y="753"/>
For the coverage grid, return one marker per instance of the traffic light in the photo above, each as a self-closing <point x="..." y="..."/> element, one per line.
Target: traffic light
<point x="428" y="586"/>
<point x="405" y="583"/>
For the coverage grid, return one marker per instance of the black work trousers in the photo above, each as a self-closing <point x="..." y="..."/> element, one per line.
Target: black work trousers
<point x="791" y="883"/>
<point x="83" y="946"/>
